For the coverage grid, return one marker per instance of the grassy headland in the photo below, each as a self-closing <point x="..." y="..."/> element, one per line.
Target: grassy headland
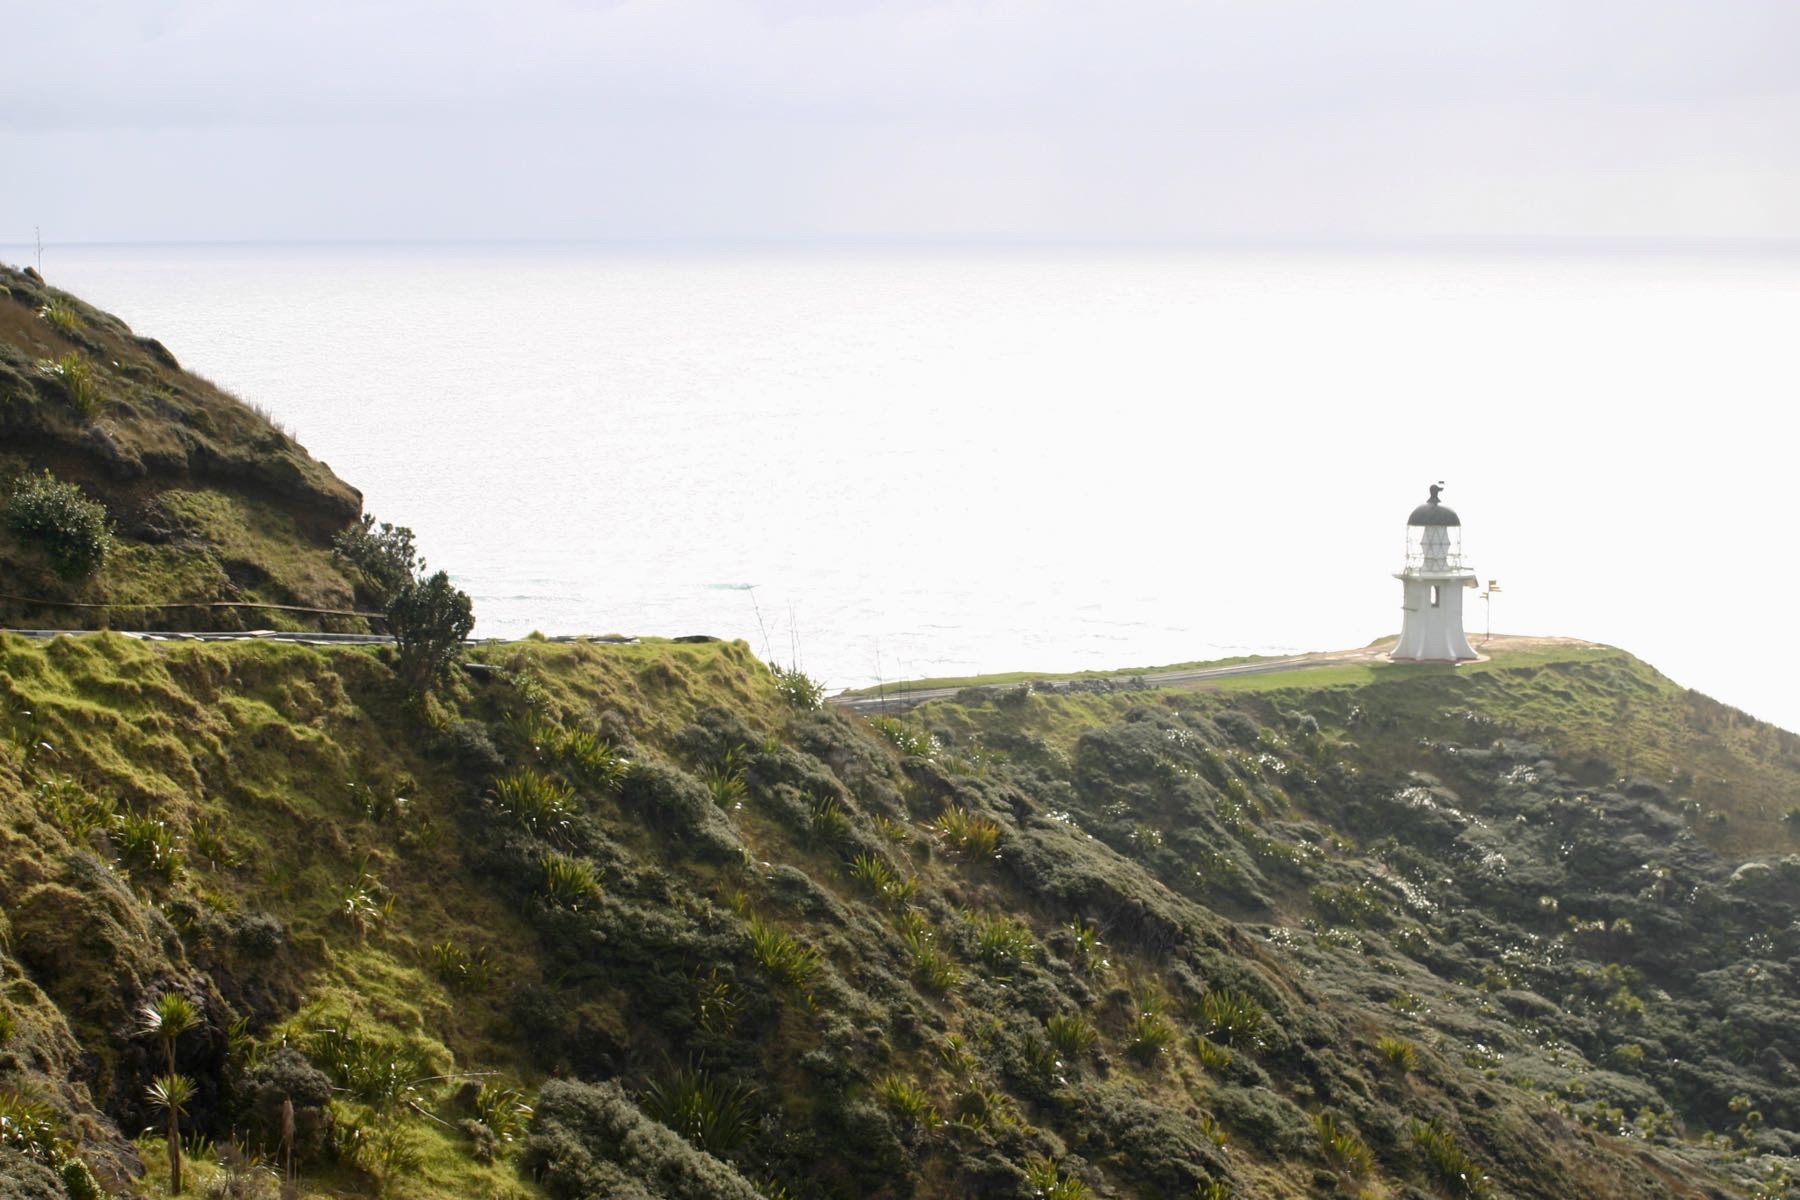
<point x="598" y="920"/>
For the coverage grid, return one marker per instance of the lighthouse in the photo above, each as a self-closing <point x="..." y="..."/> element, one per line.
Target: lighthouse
<point x="1432" y="586"/>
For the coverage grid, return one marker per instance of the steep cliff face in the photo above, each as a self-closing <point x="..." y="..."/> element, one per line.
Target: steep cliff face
<point x="620" y="920"/>
<point x="209" y="501"/>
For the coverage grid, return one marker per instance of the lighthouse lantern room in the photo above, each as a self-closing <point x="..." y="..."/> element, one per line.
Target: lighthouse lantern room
<point x="1432" y="586"/>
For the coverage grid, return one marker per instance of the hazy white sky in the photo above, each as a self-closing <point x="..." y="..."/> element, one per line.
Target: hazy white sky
<point x="234" y="119"/>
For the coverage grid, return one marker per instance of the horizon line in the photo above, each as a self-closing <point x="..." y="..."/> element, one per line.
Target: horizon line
<point x="1390" y="243"/>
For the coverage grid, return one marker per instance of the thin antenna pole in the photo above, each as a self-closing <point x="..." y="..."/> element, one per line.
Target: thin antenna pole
<point x="768" y="650"/>
<point x="38" y="232"/>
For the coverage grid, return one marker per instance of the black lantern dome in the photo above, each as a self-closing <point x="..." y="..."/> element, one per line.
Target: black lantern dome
<point x="1432" y="512"/>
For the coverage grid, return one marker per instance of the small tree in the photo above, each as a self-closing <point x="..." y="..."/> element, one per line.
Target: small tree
<point x="170" y="1094"/>
<point x="430" y="620"/>
<point x="166" y="1019"/>
<point x="384" y="553"/>
<point x="428" y="617"/>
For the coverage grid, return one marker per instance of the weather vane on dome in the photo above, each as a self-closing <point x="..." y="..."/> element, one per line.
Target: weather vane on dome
<point x="1435" y="489"/>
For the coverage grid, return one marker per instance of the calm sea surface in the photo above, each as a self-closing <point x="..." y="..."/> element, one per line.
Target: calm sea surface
<point x="898" y="463"/>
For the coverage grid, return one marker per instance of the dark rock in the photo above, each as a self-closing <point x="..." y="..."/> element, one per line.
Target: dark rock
<point x="158" y="351"/>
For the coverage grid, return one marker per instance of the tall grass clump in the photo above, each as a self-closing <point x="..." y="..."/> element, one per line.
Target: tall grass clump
<point x="873" y="873"/>
<point x="592" y="760"/>
<point x="80" y="387"/>
<point x="1071" y="1035"/>
<point x="784" y="957"/>
<point x="1233" y="1017"/>
<point x="1047" y="1181"/>
<point x="1342" y="1147"/>
<point x="460" y="970"/>
<point x="798" y="688"/>
<point x="1398" y="1053"/>
<point x="147" y="844"/>
<point x="503" y="1110"/>
<point x="62" y="315"/>
<point x="826" y="823"/>
<point x="932" y="969"/>
<point x="1447" y="1163"/>
<point x="1003" y="944"/>
<point x="535" y="802"/>
<point x="902" y="736"/>
<point x="908" y="1101"/>
<point x="570" y="882"/>
<point x="717" y="1115"/>
<point x="974" y="837"/>
<point x="1214" y="1057"/>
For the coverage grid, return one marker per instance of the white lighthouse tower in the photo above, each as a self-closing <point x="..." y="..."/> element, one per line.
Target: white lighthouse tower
<point x="1432" y="585"/>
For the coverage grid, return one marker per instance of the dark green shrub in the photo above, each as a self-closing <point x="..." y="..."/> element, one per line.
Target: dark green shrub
<point x="47" y="512"/>
<point x="430" y="621"/>
<point x="384" y="553"/>
<point x="590" y="1140"/>
<point x="286" y="1074"/>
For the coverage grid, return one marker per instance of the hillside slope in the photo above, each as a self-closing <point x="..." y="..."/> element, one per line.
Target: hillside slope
<point x="1409" y="935"/>
<point x="210" y="502"/>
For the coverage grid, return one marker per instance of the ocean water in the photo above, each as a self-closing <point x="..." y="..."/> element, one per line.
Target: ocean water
<point x="893" y="463"/>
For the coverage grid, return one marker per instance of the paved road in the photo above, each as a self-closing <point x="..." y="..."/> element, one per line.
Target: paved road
<point x="898" y="699"/>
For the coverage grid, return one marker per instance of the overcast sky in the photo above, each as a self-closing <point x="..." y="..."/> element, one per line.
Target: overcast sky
<point x="1038" y="119"/>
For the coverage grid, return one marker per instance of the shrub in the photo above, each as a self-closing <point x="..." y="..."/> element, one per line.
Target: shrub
<point x="430" y="621"/>
<point x="286" y="1075"/>
<point x="53" y="514"/>
<point x="717" y="1115"/>
<point x="590" y="1140"/>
